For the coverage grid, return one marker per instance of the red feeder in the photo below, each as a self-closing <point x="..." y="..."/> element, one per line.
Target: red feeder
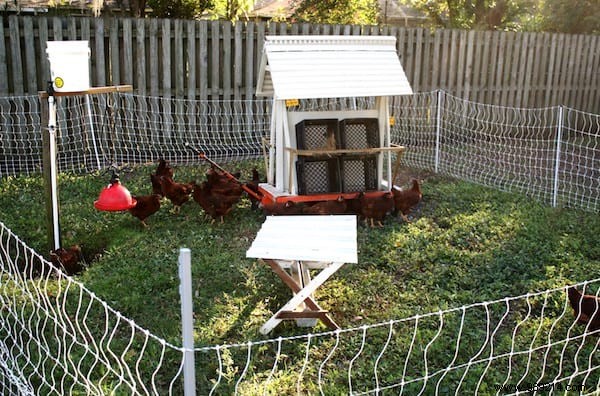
<point x="115" y="197"/>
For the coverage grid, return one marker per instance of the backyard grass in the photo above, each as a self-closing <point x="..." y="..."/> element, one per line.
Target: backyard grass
<point x="466" y="244"/>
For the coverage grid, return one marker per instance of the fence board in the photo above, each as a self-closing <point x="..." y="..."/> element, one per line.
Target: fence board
<point x="30" y="57"/>
<point x="468" y="73"/>
<point x="577" y="72"/>
<point x="500" y="63"/>
<point x="226" y="70"/>
<point x="57" y="32"/>
<point x="454" y="59"/>
<point x="214" y="59"/>
<point x="418" y="59"/>
<point x="461" y="66"/>
<point x="526" y="88"/>
<point x="3" y="61"/>
<point x="410" y="56"/>
<point x="443" y="64"/>
<point x="178" y="60"/>
<point x="521" y="47"/>
<point x="238" y="42"/>
<point x="569" y="50"/>
<point x="140" y="56"/>
<point x="15" y="55"/>
<point x="595" y="78"/>
<point x="506" y="81"/>
<point x="85" y="29"/>
<point x="166" y="57"/>
<point x="43" y="65"/>
<point x="477" y="55"/>
<point x="72" y="29"/>
<point x="191" y="58"/>
<point x="115" y="70"/>
<point x="99" y="56"/>
<point x="152" y="58"/>
<point x="250" y="59"/>
<point x="435" y="63"/>
<point x="203" y="59"/>
<point x="590" y="71"/>
<point x="127" y="71"/>
<point x="558" y="43"/>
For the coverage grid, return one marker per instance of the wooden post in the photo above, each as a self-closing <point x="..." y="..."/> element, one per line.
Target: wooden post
<point x="46" y="173"/>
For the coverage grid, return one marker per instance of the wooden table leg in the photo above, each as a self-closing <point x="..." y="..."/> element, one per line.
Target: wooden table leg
<point x="300" y="273"/>
<point x="303" y="294"/>
<point x="310" y="301"/>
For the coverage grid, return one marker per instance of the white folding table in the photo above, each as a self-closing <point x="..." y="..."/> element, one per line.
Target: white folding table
<point x="293" y="246"/>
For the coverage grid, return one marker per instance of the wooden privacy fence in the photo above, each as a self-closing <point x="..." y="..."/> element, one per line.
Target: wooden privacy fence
<point x="219" y="60"/>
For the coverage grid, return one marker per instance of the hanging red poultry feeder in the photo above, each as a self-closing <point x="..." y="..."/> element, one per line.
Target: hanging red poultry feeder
<point x="115" y="197"/>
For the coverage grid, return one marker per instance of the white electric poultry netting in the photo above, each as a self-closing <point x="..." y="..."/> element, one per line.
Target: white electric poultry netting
<point x="58" y="338"/>
<point x="132" y="129"/>
<point x="20" y="135"/>
<point x="552" y="154"/>
<point x="525" y="344"/>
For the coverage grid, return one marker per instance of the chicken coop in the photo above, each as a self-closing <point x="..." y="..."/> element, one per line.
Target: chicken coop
<point x="330" y="125"/>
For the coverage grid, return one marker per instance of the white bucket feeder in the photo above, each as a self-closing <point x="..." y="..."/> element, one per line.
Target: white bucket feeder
<point x="69" y="65"/>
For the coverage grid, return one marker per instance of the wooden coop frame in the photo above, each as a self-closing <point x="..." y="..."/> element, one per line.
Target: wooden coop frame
<point x="294" y="68"/>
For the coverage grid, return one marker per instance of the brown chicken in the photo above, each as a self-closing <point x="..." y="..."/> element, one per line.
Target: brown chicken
<point x="215" y="177"/>
<point x="353" y="206"/>
<point x="586" y="308"/>
<point x="177" y="193"/>
<point x="145" y="206"/>
<point x="214" y="204"/>
<point x="68" y="259"/>
<point x="375" y="208"/>
<point x="253" y="185"/>
<point x="156" y="184"/>
<point x="164" y="169"/>
<point x="406" y="200"/>
<point x="222" y="189"/>
<point x="337" y="206"/>
<point x="282" y="208"/>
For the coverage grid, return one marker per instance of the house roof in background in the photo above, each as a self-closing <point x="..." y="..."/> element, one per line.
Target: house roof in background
<point x="390" y="11"/>
<point x="31" y="6"/>
<point x="269" y="9"/>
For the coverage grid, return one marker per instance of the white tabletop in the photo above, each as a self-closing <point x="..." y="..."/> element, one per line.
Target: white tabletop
<point x="307" y="238"/>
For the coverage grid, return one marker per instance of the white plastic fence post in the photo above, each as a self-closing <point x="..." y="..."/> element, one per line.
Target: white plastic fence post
<point x="557" y="160"/>
<point x="187" y="321"/>
<point x="89" y="111"/>
<point x="53" y="172"/>
<point x="438" y="128"/>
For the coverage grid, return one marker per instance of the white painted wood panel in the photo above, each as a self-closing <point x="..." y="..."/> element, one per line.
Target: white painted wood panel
<point x="312" y="238"/>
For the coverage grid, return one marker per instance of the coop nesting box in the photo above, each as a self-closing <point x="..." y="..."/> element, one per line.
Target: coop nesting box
<point x="69" y="65"/>
<point x="316" y="153"/>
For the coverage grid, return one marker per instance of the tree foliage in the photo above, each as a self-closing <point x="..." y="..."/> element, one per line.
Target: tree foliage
<point x="184" y="9"/>
<point x="567" y="16"/>
<point x="231" y="10"/>
<point x="360" y="12"/>
<point x="476" y="14"/>
<point x="570" y="16"/>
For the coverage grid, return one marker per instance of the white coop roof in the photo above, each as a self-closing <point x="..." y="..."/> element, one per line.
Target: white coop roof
<point x="302" y="67"/>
